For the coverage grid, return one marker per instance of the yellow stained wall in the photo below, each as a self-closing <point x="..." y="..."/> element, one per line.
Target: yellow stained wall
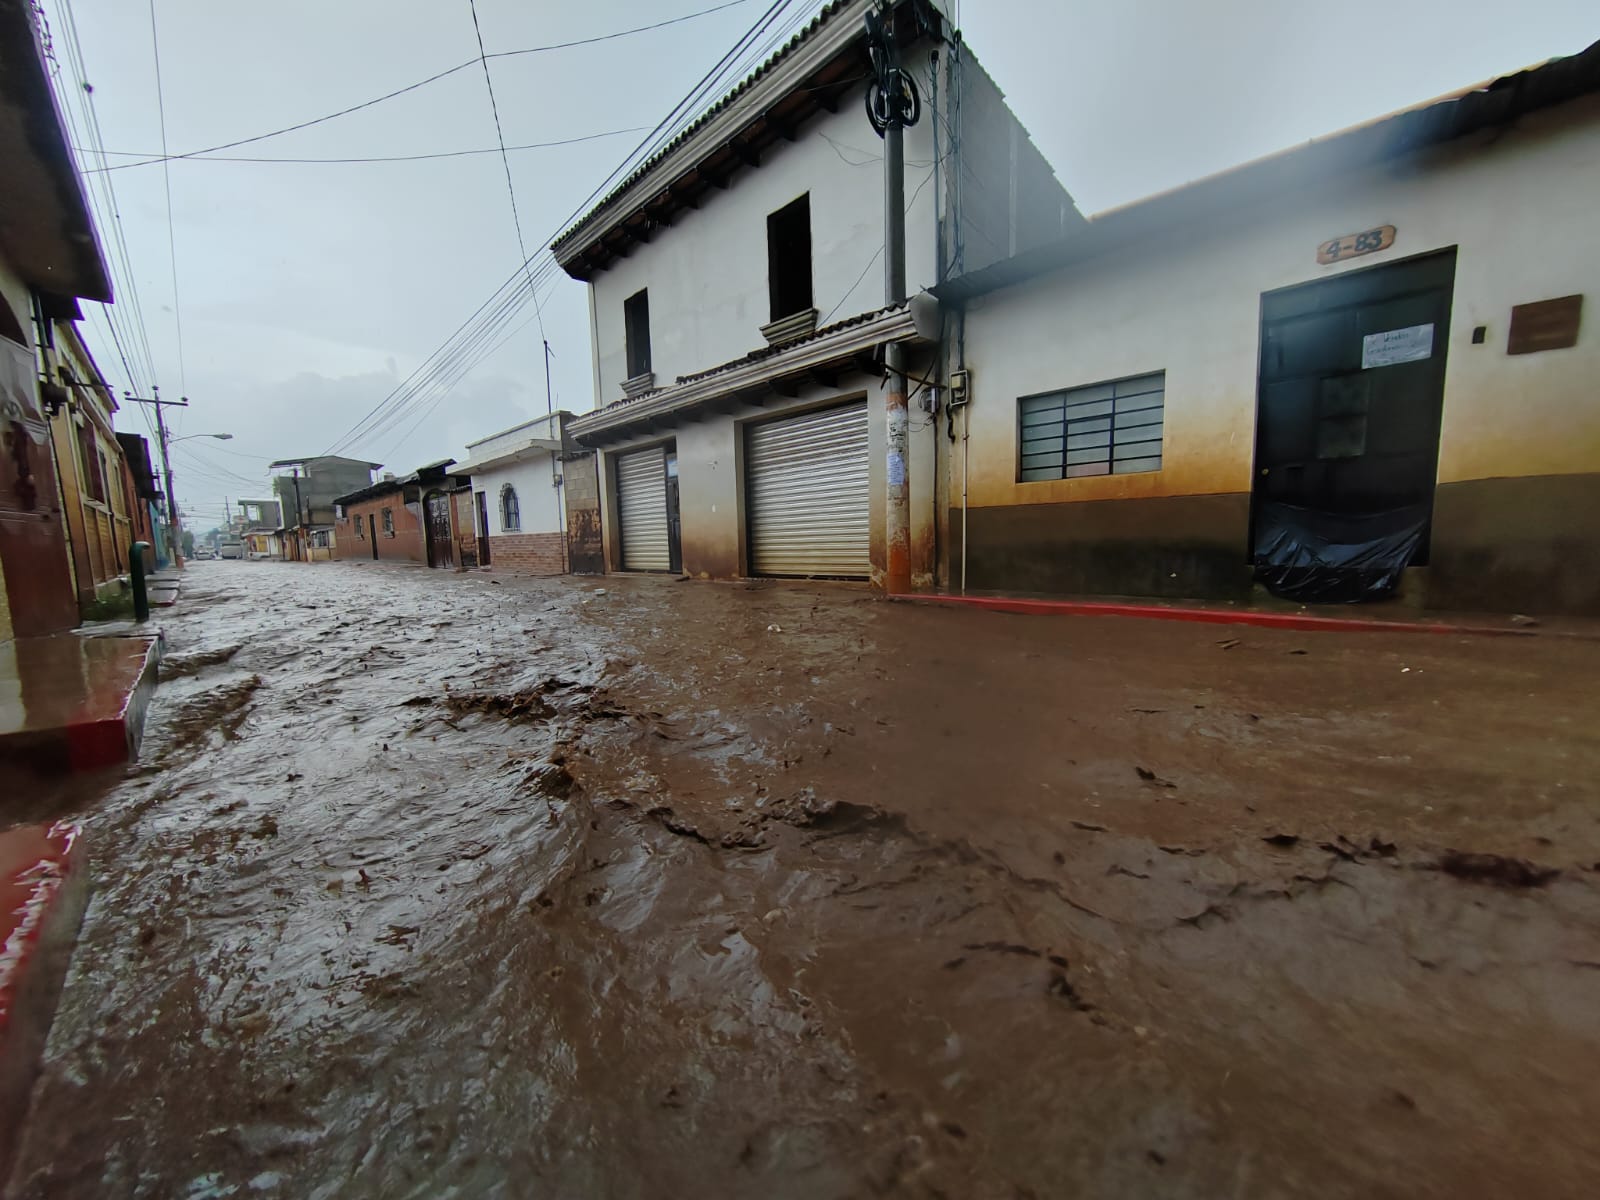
<point x="1520" y="207"/>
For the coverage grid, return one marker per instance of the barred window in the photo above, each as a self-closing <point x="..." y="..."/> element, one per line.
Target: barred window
<point x="1104" y="429"/>
<point x="510" y="510"/>
<point x="388" y="522"/>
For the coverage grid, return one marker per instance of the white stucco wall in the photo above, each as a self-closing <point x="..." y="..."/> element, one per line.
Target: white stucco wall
<point x="1520" y="207"/>
<point x="707" y="273"/>
<point x="537" y="497"/>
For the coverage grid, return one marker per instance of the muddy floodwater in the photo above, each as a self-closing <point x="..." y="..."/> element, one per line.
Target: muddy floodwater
<point x="434" y="885"/>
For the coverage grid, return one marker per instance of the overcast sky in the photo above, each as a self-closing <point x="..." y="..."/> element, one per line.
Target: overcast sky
<point x="308" y="291"/>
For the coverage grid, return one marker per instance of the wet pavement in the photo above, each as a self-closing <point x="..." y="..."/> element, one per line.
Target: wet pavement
<point x="434" y="885"/>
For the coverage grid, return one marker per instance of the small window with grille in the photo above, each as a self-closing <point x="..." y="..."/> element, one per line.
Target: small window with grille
<point x="1104" y="429"/>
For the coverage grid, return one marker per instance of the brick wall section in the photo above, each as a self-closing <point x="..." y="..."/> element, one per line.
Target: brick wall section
<point x="407" y="545"/>
<point x="529" y="553"/>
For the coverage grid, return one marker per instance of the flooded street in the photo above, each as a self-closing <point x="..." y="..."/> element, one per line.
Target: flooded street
<point x="434" y="885"/>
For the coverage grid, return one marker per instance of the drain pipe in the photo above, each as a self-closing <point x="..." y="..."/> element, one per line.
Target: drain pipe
<point x="966" y="438"/>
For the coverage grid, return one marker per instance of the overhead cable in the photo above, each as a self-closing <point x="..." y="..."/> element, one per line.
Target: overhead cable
<point x="421" y="83"/>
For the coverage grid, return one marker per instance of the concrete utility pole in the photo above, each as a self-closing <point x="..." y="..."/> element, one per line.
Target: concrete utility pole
<point x="892" y="105"/>
<point x="174" y="528"/>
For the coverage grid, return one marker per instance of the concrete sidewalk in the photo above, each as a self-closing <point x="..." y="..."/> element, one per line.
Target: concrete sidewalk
<point x="74" y="703"/>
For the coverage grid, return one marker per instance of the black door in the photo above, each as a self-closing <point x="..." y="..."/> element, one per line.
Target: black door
<point x="441" y="551"/>
<point x="1347" y="430"/>
<point x="674" y="524"/>
<point x="372" y="535"/>
<point x="483" y="529"/>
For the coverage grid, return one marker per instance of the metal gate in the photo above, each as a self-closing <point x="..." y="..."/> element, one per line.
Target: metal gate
<point x="642" y="510"/>
<point x="441" y="548"/>
<point x="807" y="494"/>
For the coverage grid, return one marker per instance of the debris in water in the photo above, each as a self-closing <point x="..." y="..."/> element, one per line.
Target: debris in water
<point x="1284" y="840"/>
<point x="1153" y="779"/>
<point x="1495" y="869"/>
<point x="1229" y="643"/>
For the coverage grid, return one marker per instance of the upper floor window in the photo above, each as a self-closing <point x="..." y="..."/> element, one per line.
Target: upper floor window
<point x="636" y="321"/>
<point x="510" y="513"/>
<point x="1106" y="429"/>
<point x="789" y="258"/>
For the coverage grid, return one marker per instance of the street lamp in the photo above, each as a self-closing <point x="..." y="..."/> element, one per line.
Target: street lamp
<point x="221" y="437"/>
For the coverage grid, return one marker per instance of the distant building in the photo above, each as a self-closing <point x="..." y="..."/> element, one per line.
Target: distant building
<point x="306" y="496"/>
<point x="411" y="519"/>
<point x="258" y="523"/>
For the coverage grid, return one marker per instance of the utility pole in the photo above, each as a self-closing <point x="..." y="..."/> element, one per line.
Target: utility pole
<point x="549" y="398"/>
<point x="174" y="528"/>
<point x="892" y="104"/>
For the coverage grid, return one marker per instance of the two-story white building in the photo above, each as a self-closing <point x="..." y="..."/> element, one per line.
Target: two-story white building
<point x="737" y="315"/>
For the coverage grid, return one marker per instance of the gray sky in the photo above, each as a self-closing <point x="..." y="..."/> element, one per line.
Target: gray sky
<point x="309" y="291"/>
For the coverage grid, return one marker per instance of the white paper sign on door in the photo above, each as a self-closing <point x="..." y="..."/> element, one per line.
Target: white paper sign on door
<point x="1412" y="344"/>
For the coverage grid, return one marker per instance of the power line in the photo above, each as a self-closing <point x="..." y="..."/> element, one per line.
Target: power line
<point x="381" y="158"/>
<point x="463" y="349"/>
<point x="166" y="178"/>
<point x="434" y="78"/>
<point x="505" y="162"/>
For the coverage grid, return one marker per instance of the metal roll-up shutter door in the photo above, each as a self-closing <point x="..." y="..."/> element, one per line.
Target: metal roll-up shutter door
<point x="642" y="510"/>
<point x="807" y="494"/>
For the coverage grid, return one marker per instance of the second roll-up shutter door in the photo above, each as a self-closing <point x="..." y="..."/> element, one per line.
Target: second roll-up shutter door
<point x="807" y="494"/>
<point x="642" y="510"/>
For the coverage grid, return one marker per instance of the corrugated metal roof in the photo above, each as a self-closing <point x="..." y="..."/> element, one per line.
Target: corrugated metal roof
<point x="829" y="11"/>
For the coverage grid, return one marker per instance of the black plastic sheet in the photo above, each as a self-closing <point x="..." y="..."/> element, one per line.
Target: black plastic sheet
<point x="1330" y="558"/>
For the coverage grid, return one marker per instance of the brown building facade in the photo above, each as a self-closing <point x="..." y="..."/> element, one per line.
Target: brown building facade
<point x="413" y="519"/>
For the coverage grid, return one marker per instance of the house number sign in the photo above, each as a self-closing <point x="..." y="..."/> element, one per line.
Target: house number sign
<point x="1353" y="245"/>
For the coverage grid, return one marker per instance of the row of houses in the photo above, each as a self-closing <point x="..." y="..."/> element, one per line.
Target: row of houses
<point x="1358" y="369"/>
<point x="75" y="495"/>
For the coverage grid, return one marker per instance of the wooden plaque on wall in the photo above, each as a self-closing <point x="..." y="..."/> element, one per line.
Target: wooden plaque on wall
<point x="1547" y="325"/>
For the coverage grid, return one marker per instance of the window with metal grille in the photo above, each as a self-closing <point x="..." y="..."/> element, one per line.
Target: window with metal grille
<point x="636" y="327"/>
<point x="1104" y="429"/>
<point x="789" y="258"/>
<point x="510" y="510"/>
<point x="388" y="522"/>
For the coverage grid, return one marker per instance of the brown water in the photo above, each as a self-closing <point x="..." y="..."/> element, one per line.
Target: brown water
<point x="434" y="886"/>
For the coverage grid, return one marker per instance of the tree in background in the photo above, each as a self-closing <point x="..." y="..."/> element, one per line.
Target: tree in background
<point x="188" y="544"/>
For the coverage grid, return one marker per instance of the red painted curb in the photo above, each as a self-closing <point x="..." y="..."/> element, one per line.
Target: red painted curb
<point x="1211" y="616"/>
<point x="42" y="898"/>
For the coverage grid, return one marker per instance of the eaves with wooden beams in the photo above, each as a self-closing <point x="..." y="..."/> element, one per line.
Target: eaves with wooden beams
<point x="812" y="73"/>
<point x="846" y="347"/>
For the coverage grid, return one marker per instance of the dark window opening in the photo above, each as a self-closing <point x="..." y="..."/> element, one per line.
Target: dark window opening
<point x="636" y="318"/>
<point x="789" y="258"/>
<point x="1111" y="428"/>
<point x="388" y="522"/>
<point x="510" y="510"/>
